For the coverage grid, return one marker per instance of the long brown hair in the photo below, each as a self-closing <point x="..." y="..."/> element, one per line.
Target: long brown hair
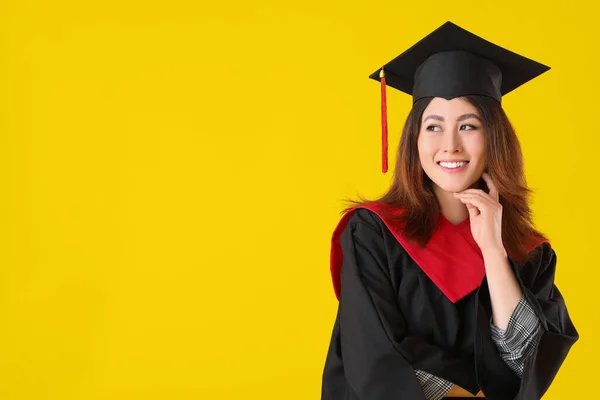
<point x="412" y="190"/>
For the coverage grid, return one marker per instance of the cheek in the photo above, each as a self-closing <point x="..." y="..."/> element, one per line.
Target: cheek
<point x="476" y="146"/>
<point x="426" y="149"/>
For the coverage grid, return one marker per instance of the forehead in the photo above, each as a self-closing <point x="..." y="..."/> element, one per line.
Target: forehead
<point x="454" y="107"/>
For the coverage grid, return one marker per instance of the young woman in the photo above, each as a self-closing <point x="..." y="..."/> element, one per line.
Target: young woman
<point x="445" y="287"/>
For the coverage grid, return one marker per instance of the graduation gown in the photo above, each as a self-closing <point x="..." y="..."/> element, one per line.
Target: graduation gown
<point x="399" y="311"/>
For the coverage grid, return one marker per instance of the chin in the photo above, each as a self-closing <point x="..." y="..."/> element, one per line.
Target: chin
<point x="453" y="186"/>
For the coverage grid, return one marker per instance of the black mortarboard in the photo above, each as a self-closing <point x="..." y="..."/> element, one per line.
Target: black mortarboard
<point x="452" y="62"/>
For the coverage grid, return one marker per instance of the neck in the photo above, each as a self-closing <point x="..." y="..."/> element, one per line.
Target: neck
<point x="450" y="207"/>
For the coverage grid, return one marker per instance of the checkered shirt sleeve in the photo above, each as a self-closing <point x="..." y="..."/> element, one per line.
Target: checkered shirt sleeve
<point x="434" y="388"/>
<point x="520" y="338"/>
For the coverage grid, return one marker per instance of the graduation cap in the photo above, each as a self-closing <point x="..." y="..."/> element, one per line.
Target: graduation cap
<point x="453" y="62"/>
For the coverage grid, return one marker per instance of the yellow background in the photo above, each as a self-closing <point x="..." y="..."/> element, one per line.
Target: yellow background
<point x="171" y="173"/>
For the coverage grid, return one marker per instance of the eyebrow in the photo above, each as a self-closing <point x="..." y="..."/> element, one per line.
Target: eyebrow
<point x="461" y="118"/>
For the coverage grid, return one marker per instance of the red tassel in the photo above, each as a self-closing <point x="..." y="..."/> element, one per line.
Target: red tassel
<point x="384" y="129"/>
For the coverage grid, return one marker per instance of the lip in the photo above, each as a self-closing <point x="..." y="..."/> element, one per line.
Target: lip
<point x="453" y="170"/>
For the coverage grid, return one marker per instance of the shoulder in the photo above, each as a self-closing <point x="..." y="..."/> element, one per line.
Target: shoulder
<point x="542" y="254"/>
<point x="364" y="239"/>
<point x="541" y="264"/>
<point x="368" y="236"/>
<point x="365" y="219"/>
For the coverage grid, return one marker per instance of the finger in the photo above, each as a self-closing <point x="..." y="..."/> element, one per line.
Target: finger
<point x="473" y="211"/>
<point x="470" y="193"/>
<point x="479" y="201"/>
<point x="490" y="183"/>
<point x="476" y="201"/>
<point x="474" y="191"/>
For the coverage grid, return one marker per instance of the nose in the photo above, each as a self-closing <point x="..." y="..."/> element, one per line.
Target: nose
<point x="452" y="142"/>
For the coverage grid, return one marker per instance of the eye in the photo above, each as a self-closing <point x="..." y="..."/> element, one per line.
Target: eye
<point x="467" y="127"/>
<point x="433" y="128"/>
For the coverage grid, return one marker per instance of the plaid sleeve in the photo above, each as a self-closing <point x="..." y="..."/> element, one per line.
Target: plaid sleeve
<point x="520" y="338"/>
<point x="434" y="388"/>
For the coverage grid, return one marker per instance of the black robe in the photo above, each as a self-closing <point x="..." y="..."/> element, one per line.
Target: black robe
<point x="392" y="319"/>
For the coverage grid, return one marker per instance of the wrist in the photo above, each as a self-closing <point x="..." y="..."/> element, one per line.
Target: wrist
<point x="494" y="252"/>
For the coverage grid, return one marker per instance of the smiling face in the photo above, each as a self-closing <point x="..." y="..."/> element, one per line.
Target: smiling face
<point x="452" y="144"/>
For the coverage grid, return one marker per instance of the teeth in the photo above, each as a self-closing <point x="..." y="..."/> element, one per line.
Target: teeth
<point x="452" y="164"/>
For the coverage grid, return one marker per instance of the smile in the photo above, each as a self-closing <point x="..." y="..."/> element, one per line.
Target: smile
<point x="453" y="166"/>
